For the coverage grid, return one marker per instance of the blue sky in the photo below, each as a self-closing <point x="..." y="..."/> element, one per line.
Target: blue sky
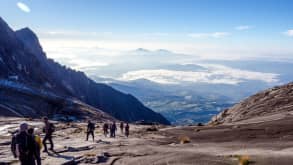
<point x="208" y="28"/>
<point x="150" y="15"/>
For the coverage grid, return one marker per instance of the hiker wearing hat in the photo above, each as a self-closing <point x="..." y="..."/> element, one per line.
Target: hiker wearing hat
<point x="25" y="147"/>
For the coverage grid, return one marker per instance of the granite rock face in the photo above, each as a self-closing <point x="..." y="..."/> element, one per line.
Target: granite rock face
<point x="270" y="104"/>
<point x="33" y="85"/>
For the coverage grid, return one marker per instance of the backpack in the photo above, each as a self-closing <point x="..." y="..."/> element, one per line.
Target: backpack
<point x="22" y="145"/>
<point x="38" y="141"/>
<point x="51" y="128"/>
<point x="92" y="127"/>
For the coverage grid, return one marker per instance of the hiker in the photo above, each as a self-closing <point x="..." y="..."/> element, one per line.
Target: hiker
<point x="38" y="142"/>
<point x="127" y="130"/>
<point x="13" y="143"/>
<point x="113" y="130"/>
<point x="105" y="129"/>
<point x="25" y="147"/>
<point x="48" y="130"/>
<point x="121" y="127"/>
<point x="90" y="130"/>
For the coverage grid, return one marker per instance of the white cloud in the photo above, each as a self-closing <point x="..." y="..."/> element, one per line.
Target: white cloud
<point x="74" y="34"/>
<point x="188" y="97"/>
<point x="156" y="34"/>
<point x="214" y="74"/>
<point x="289" y="33"/>
<point x="244" y="27"/>
<point x="209" y="35"/>
<point x="87" y="63"/>
<point x="79" y="44"/>
<point x="23" y="7"/>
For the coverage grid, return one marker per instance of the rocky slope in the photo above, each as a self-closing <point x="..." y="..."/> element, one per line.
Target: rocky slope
<point x="268" y="143"/>
<point x="255" y="131"/>
<point x="24" y="65"/>
<point x="26" y="101"/>
<point x="271" y="104"/>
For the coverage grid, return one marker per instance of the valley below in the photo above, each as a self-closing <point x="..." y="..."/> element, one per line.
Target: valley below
<point x="261" y="142"/>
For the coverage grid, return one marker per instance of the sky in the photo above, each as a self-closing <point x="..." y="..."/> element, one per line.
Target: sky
<point x="93" y="32"/>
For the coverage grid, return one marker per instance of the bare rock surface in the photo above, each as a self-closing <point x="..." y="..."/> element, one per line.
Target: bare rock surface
<point x="272" y="104"/>
<point x="265" y="143"/>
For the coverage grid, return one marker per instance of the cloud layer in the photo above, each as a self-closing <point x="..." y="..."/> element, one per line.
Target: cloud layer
<point x="209" y="35"/>
<point x="214" y="74"/>
<point x="23" y="7"/>
<point x="289" y="33"/>
<point x="243" y="27"/>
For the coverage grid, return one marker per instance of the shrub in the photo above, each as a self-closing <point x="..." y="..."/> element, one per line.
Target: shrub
<point x="152" y="129"/>
<point x="200" y="124"/>
<point x="184" y="139"/>
<point x="90" y="154"/>
<point x="243" y="160"/>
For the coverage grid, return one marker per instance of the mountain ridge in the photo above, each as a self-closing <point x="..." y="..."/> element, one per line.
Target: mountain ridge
<point x="273" y="103"/>
<point x="24" y="61"/>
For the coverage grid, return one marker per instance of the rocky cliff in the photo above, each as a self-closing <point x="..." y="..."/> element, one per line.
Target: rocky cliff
<point x="24" y="65"/>
<point x="271" y="104"/>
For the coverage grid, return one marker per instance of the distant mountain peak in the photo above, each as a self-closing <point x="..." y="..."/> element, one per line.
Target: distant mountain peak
<point x="30" y="40"/>
<point x="7" y="36"/>
<point x="142" y="50"/>
<point x="163" y="51"/>
<point x="28" y="32"/>
<point x="2" y="22"/>
<point x="35" y="81"/>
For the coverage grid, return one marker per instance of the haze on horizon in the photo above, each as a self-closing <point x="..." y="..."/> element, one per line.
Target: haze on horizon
<point x="94" y="35"/>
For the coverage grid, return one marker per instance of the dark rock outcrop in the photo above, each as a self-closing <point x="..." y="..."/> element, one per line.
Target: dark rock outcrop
<point x="23" y="62"/>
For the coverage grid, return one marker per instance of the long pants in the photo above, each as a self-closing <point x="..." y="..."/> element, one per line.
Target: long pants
<point x="48" y="137"/>
<point x="38" y="157"/>
<point x="113" y="133"/>
<point x="27" y="160"/>
<point x="105" y="132"/>
<point x="90" y="133"/>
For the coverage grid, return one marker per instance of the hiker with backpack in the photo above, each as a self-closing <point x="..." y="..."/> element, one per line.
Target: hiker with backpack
<point x="25" y="147"/>
<point x="90" y="130"/>
<point x="113" y="129"/>
<point x="38" y="144"/>
<point x="48" y="130"/>
<point x="127" y="130"/>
